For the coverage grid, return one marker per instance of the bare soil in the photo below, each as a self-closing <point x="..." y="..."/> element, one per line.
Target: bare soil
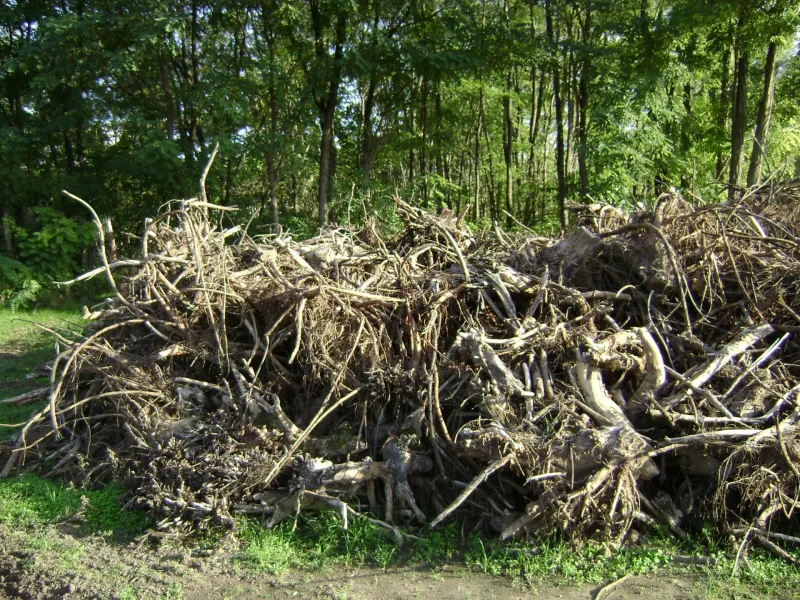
<point x="57" y="562"/>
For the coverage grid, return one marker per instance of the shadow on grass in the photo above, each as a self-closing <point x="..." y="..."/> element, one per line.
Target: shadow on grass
<point x="18" y="374"/>
<point x="24" y="347"/>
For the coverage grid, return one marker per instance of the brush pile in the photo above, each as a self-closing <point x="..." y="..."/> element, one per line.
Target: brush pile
<point x="593" y="385"/>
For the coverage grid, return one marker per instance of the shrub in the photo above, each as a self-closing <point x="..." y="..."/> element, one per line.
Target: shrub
<point x="50" y="250"/>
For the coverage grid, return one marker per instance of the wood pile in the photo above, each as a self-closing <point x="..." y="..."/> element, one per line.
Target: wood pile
<point x="591" y="386"/>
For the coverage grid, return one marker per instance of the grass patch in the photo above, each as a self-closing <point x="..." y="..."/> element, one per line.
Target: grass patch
<point x="68" y="551"/>
<point x="315" y="543"/>
<point x="23" y="347"/>
<point x="272" y="551"/>
<point x="32" y="502"/>
<point x="319" y="542"/>
<point x="12" y="418"/>
<point x="17" y="330"/>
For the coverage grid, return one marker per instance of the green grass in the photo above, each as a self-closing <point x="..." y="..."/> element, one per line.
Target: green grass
<point x="272" y="551"/>
<point x="315" y="543"/>
<point x="17" y="329"/>
<point x="319" y="542"/>
<point x="23" y="347"/>
<point x="28" y="501"/>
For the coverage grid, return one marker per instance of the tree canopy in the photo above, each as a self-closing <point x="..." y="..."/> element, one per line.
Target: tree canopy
<point x="324" y="110"/>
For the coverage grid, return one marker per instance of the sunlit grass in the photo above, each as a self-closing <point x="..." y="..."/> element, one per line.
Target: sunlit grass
<point x="320" y="542"/>
<point x="29" y="501"/>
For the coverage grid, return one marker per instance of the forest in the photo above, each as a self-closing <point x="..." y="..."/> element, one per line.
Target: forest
<point x="325" y="111"/>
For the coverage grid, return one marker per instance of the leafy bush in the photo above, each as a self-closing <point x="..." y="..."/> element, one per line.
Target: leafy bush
<point x="19" y="287"/>
<point x="50" y="250"/>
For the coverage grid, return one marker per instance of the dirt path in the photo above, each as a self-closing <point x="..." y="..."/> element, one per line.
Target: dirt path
<point x="54" y="563"/>
<point x="358" y="584"/>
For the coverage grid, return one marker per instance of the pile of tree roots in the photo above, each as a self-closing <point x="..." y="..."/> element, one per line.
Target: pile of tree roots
<point x="642" y="370"/>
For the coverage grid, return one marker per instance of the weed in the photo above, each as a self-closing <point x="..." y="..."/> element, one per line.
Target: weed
<point x="174" y="591"/>
<point x="128" y="593"/>
<point x="383" y="556"/>
<point x="271" y="550"/>
<point x="323" y="540"/>
<point x="490" y="561"/>
<point x="104" y="513"/>
<point x="438" y="546"/>
<point x="68" y="551"/>
<point x="30" y="501"/>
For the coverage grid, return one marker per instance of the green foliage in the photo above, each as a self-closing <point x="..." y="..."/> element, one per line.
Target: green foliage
<point x="298" y="225"/>
<point x="19" y="289"/>
<point x="29" y="501"/>
<point x="51" y="248"/>
<point x="438" y="546"/>
<point x="316" y="542"/>
<point x="107" y="104"/>
<point x="54" y="247"/>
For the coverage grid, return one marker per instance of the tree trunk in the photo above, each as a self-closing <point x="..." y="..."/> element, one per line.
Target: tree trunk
<point x="583" y="107"/>
<point x="527" y="211"/>
<point x="534" y="132"/>
<point x="559" y="116"/>
<point x="723" y="108"/>
<point x="685" y="137"/>
<point x="570" y="86"/>
<point x="168" y="101"/>
<point x="492" y="185"/>
<point x="273" y="195"/>
<point x="543" y="199"/>
<point x="327" y="104"/>
<point x="443" y="159"/>
<point x="325" y="162"/>
<point x="763" y="119"/>
<point x="111" y="241"/>
<point x="366" y="138"/>
<point x="423" y="154"/>
<point x="508" y="150"/>
<point x="8" y="231"/>
<point x="412" y="124"/>
<point x="273" y="119"/>
<point x="478" y="128"/>
<point x="70" y="154"/>
<point x="738" y="123"/>
<point x="583" y="136"/>
<point x="228" y="183"/>
<point x="195" y="33"/>
<point x="79" y="149"/>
